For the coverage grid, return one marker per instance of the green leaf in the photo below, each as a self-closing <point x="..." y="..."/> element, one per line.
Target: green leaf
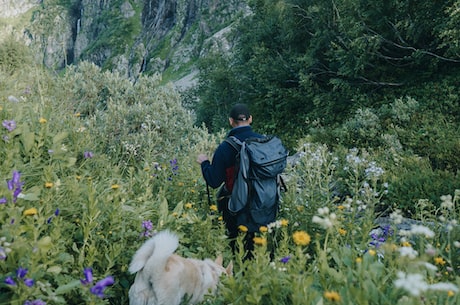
<point x="67" y="287"/>
<point x="28" y="140"/>
<point x="30" y="196"/>
<point x="59" y="137"/>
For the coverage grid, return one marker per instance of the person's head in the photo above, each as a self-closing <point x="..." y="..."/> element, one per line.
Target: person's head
<point x="240" y="115"/>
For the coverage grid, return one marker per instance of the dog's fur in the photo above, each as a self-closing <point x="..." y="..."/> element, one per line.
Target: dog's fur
<point x="164" y="278"/>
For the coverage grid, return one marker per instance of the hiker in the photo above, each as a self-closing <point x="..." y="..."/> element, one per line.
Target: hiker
<point x="222" y="170"/>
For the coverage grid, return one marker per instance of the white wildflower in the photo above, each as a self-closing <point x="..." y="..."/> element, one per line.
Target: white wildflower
<point x="422" y="230"/>
<point x="444" y="287"/>
<point x="412" y="283"/>
<point x="408" y="252"/>
<point x="396" y="217"/>
<point x="447" y="202"/>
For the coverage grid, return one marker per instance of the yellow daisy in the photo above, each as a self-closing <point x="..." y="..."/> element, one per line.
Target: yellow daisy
<point x="30" y="212"/>
<point x="332" y="296"/>
<point x="261" y="241"/>
<point x="301" y="238"/>
<point x="243" y="228"/>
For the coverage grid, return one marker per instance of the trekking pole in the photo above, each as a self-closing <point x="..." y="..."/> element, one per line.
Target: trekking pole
<point x="209" y="195"/>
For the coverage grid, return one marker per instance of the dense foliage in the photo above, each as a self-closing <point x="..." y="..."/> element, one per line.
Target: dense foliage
<point x="297" y="62"/>
<point x="351" y="74"/>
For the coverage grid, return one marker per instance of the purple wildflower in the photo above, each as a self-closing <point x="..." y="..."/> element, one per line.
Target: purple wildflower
<point x="21" y="272"/>
<point x="99" y="287"/>
<point x="88" y="272"/>
<point x="15" y="185"/>
<point x="88" y="154"/>
<point x="9" y="281"/>
<point x="29" y="282"/>
<point x="56" y="213"/>
<point x="147" y="226"/>
<point x="285" y="259"/>
<point x="2" y="254"/>
<point x="9" y="124"/>
<point x="35" y="302"/>
<point x="3" y="200"/>
<point x="174" y="166"/>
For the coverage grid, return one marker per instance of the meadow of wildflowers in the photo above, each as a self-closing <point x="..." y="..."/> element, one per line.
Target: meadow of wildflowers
<point x="91" y="169"/>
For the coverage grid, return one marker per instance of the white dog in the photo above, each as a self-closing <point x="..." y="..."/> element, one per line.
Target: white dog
<point x="164" y="278"/>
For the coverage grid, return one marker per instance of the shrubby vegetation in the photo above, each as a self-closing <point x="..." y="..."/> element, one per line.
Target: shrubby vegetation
<point x="379" y="76"/>
<point x="92" y="165"/>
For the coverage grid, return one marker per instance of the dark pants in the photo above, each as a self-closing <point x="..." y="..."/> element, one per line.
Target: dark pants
<point x="231" y="224"/>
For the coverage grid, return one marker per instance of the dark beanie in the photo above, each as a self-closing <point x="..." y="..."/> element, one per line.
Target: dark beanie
<point x="240" y="112"/>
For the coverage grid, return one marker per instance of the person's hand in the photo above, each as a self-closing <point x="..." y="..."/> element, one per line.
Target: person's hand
<point x="201" y="158"/>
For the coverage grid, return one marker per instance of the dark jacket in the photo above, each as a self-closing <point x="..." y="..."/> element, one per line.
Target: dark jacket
<point x="221" y="169"/>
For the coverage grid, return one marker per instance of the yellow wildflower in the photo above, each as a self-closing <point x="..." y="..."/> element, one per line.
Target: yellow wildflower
<point x="301" y="238"/>
<point x="261" y="241"/>
<point x="188" y="205"/>
<point x="213" y="207"/>
<point x="242" y="228"/>
<point x="77" y="114"/>
<point x="332" y="296"/>
<point x="263" y="229"/>
<point x="180" y="183"/>
<point x="406" y="244"/>
<point x="30" y="212"/>
<point x="42" y="121"/>
<point x="115" y="186"/>
<point x="220" y="218"/>
<point x="450" y="293"/>
<point x="49" y="185"/>
<point x="284" y="222"/>
<point x="174" y="214"/>
<point x="372" y="252"/>
<point x="358" y="260"/>
<point x="342" y="231"/>
<point x="439" y="261"/>
<point x="341" y="207"/>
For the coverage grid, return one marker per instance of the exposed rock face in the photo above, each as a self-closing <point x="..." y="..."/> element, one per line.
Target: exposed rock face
<point x="128" y="36"/>
<point x="13" y="8"/>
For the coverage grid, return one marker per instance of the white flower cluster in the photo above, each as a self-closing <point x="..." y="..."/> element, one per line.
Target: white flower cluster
<point x="4" y="248"/>
<point x="397" y="217"/>
<point x="373" y="171"/>
<point x="408" y="252"/>
<point x="325" y="219"/>
<point x="274" y="225"/>
<point x="415" y="284"/>
<point x="447" y="202"/>
<point x="418" y="230"/>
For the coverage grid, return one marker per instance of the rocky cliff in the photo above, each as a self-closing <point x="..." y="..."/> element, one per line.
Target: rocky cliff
<point x="131" y="37"/>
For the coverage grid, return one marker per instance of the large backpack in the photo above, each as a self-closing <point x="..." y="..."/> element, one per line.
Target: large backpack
<point x="256" y="189"/>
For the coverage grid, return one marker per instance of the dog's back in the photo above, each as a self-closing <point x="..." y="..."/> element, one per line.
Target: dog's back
<point x="150" y="262"/>
<point x="164" y="278"/>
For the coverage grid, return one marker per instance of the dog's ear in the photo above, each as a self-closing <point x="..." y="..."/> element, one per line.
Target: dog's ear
<point x="219" y="260"/>
<point x="229" y="269"/>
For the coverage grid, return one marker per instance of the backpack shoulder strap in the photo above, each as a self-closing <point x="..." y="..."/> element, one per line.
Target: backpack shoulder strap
<point x="234" y="142"/>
